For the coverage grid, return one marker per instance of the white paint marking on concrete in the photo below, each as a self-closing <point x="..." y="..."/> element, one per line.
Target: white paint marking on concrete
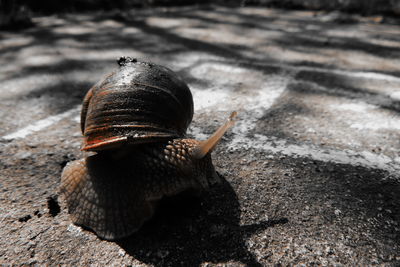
<point x="216" y="61"/>
<point x="222" y="96"/>
<point x="40" y="125"/>
<point x="211" y="97"/>
<point x="242" y="142"/>
<point x="222" y="99"/>
<point x="344" y="156"/>
<point x="253" y="107"/>
<point x="395" y="96"/>
<point x="368" y="75"/>
<point x="350" y="73"/>
<point x="359" y="107"/>
<point x="370" y="117"/>
<point x="77" y="118"/>
<point x="356" y="74"/>
<point x="377" y="124"/>
<point x="256" y="106"/>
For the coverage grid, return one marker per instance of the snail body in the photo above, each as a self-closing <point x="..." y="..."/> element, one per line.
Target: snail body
<point x="141" y="156"/>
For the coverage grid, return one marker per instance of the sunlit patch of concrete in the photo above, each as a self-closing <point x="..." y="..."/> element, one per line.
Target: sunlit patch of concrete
<point x="39" y="125"/>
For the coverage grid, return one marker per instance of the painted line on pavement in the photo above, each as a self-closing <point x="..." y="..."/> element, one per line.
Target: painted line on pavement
<point x="40" y="125"/>
<point x="343" y="156"/>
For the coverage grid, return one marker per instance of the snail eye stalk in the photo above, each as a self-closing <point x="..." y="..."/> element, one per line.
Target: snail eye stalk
<point x="208" y="145"/>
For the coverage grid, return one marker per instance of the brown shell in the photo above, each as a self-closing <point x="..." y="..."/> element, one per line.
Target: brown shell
<point x="138" y="103"/>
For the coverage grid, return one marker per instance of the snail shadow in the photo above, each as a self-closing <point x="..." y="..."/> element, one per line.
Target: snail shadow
<point x="188" y="231"/>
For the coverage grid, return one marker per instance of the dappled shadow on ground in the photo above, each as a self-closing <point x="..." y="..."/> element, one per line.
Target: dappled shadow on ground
<point x="300" y="33"/>
<point x="306" y="37"/>
<point x="341" y="86"/>
<point x="188" y="232"/>
<point x="61" y="96"/>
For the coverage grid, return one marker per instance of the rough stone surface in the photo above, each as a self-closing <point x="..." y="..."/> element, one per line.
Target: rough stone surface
<point x="311" y="169"/>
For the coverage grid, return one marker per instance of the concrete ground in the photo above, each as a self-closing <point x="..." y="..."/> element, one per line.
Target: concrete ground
<point x="311" y="167"/>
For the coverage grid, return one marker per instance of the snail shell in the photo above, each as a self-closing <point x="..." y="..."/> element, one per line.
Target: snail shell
<point x="141" y="153"/>
<point x="140" y="102"/>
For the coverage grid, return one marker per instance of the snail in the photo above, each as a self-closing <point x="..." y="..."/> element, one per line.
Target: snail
<point x="135" y="121"/>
